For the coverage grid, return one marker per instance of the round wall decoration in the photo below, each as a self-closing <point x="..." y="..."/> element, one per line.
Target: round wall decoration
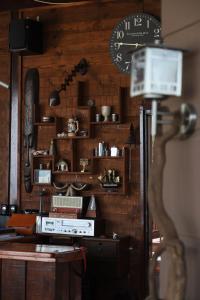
<point x="131" y="32"/>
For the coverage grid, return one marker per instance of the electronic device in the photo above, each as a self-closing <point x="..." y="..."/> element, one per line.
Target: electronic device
<point x="70" y="227"/>
<point x="67" y="201"/>
<point x="25" y="36"/>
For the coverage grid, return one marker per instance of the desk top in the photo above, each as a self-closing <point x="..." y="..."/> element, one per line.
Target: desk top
<point x="40" y="252"/>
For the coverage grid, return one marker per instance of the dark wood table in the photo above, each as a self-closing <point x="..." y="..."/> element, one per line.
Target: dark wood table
<point x="40" y="272"/>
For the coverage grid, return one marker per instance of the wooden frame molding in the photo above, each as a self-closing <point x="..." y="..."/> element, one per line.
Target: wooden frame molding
<point x="14" y="127"/>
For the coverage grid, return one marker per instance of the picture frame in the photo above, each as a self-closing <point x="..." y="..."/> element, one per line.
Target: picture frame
<point x="42" y="176"/>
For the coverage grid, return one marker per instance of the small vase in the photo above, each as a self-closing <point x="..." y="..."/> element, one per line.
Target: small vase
<point x="52" y="148"/>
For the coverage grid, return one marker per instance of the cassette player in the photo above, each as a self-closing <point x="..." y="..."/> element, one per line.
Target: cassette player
<point x="71" y="227"/>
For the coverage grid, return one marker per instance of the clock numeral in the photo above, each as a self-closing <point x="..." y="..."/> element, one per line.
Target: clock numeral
<point x="120" y="34"/>
<point x="117" y="45"/>
<point x="156" y="32"/>
<point x="148" y="23"/>
<point x="127" y="25"/>
<point x="138" y="21"/>
<point x="118" y="58"/>
<point x="128" y="65"/>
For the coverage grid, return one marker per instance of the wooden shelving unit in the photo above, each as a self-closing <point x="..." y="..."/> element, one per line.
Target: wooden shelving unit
<point x="72" y="148"/>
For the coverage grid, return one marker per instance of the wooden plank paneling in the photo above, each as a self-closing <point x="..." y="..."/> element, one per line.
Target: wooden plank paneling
<point x="70" y="34"/>
<point x="13" y="279"/>
<point x="40" y="289"/>
<point x="4" y="109"/>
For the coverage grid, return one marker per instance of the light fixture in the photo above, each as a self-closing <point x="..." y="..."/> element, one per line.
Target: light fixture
<point x="5" y="85"/>
<point x="81" y="68"/>
<point x="156" y="73"/>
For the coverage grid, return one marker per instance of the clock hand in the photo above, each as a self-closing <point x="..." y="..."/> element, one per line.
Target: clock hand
<point x="129" y="44"/>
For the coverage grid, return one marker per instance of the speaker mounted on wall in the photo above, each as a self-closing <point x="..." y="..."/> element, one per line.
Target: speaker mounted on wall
<point x="26" y="36"/>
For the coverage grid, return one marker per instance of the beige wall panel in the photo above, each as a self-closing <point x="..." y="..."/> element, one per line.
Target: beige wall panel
<point x="182" y="173"/>
<point x="180" y="13"/>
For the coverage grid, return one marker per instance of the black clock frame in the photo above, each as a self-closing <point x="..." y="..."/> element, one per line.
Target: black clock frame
<point x="133" y="31"/>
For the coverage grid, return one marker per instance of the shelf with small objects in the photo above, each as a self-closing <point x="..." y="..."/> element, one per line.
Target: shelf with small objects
<point x="42" y="160"/>
<point x="42" y="168"/>
<point x="110" y="169"/>
<point x="57" y="137"/>
<point x="68" y="143"/>
<point x="111" y="111"/>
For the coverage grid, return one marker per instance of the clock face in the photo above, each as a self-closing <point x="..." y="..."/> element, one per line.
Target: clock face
<point x="132" y="32"/>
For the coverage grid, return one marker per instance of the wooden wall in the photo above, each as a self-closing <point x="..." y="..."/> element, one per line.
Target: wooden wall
<point x="4" y="109"/>
<point x="71" y="33"/>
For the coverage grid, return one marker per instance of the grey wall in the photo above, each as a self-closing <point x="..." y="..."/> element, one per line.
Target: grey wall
<point x="181" y="28"/>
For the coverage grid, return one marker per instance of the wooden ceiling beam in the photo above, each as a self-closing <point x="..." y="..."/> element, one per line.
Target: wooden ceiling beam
<point x="22" y="4"/>
<point x="15" y="4"/>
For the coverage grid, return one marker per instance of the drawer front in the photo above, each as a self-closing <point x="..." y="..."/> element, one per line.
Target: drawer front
<point x="101" y="249"/>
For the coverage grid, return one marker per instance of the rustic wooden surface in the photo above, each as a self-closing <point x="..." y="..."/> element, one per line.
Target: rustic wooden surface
<point x="24" y="251"/>
<point x="22" y="278"/>
<point x="68" y="37"/>
<point x="13" y="271"/>
<point x="4" y="109"/>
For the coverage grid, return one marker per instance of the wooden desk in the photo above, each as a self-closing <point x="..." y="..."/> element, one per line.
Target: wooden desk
<point x="40" y="272"/>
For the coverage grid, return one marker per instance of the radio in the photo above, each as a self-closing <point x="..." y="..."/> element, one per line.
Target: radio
<point x="67" y="201"/>
<point x="70" y="227"/>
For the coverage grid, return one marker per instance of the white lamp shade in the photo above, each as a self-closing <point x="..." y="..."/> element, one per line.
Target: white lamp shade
<point x="156" y="72"/>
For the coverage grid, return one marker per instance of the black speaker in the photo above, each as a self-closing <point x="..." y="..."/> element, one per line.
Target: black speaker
<point x="26" y="36"/>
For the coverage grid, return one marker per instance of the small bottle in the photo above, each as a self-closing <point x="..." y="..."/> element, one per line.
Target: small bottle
<point x="106" y="151"/>
<point x="52" y="149"/>
<point x="101" y="147"/>
<point x="97" y="117"/>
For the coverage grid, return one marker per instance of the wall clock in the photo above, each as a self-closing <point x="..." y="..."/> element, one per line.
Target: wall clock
<point x="130" y="33"/>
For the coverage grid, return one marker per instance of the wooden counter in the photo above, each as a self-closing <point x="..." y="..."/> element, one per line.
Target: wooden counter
<point x="40" y="272"/>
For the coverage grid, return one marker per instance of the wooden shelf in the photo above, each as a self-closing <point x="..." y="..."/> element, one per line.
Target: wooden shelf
<point x="71" y="148"/>
<point x="71" y="173"/>
<point x="71" y="137"/>
<point x="108" y="157"/>
<point x="103" y="192"/>
<point x="106" y="123"/>
<point x="43" y="156"/>
<point x="45" y="124"/>
<point x="60" y="172"/>
<point x="41" y="184"/>
<point x="83" y="107"/>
